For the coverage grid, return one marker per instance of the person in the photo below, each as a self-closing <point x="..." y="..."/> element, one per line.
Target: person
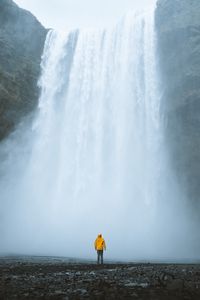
<point x="99" y="246"/>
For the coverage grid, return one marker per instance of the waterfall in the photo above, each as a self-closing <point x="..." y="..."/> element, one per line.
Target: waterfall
<point x="91" y="160"/>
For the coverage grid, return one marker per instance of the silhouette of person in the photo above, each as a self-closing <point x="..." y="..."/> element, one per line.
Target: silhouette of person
<point x="99" y="246"/>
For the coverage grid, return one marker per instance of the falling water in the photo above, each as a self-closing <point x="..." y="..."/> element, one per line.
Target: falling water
<point x="92" y="160"/>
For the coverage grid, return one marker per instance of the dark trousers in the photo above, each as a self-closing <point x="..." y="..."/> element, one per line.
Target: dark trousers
<point x="100" y="256"/>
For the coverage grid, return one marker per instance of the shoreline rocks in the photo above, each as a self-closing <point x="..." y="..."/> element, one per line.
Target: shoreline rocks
<point x="50" y="278"/>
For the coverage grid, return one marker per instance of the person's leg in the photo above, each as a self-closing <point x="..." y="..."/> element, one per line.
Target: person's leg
<point x="102" y="257"/>
<point x="98" y="257"/>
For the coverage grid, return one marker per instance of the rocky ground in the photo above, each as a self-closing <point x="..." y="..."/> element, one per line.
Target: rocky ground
<point x="57" y="278"/>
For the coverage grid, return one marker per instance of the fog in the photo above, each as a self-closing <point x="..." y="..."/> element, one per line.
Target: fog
<point x="64" y="14"/>
<point x="93" y="157"/>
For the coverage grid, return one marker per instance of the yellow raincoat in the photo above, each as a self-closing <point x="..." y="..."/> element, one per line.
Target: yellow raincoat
<point x="99" y="243"/>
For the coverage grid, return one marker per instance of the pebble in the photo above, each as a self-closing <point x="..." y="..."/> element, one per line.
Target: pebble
<point x="56" y="280"/>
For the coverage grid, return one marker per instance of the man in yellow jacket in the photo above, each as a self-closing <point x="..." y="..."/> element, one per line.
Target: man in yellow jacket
<point x="99" y="246"/>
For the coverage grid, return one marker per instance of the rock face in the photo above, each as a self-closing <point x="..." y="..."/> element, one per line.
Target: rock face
<point x="21" y="43"/>
<point x="178" y="30"/>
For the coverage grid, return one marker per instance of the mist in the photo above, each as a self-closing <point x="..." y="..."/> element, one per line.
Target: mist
<point x="63" y="14"/>
<point x="92" y="158"/>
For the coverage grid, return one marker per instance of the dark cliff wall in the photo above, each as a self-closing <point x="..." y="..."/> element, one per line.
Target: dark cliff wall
<point x="21" y="43"/>
<point x="178" y="29"/>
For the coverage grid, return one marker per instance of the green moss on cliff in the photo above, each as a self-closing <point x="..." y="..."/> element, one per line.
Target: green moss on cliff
<point x="21" y="43"/>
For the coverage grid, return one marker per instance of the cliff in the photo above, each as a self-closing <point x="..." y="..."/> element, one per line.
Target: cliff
<point x="178" y="30"/>
<point x="21" y="43"/>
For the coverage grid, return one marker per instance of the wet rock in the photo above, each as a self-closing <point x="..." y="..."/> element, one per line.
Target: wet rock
<point x="22" y="39"/>
<point x="61" y="280"/>
<point x="178" y="31"/>
<point x="175" y="284"/>
<point x="191" y="285"/>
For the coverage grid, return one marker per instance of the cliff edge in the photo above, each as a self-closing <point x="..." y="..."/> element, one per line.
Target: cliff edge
<point x="178" y="32"/>
<point x="22" y="39"/>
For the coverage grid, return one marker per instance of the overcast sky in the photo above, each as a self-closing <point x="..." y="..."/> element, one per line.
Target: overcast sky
<point x="62" y="14"/>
